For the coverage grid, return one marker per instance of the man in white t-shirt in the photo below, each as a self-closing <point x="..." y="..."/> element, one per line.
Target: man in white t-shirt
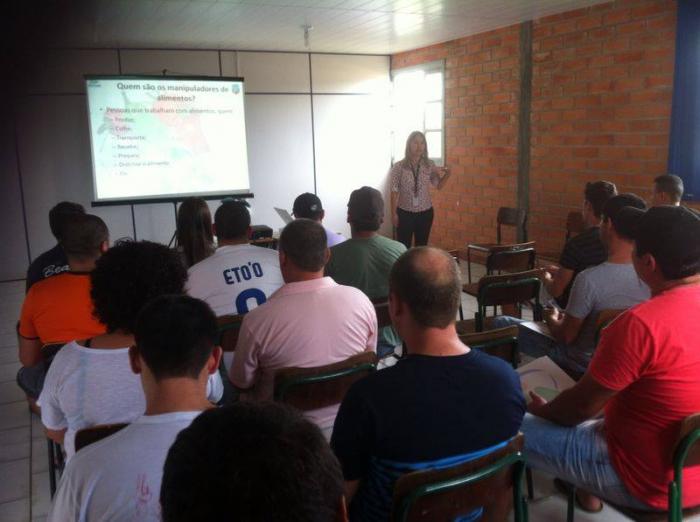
<point x="612" y="285"/>
<point x="238" y="276"/>
<point x="118" y="478"/>
<point x="310" y="321"/>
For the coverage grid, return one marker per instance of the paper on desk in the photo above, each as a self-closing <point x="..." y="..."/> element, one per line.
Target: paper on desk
<point x="539" y="327"/>
<point x="543" y="377"/>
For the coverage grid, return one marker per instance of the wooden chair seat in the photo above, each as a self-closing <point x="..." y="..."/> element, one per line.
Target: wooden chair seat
<point x="87" y="436"/>
<point x="492" y="482"/>
<point x="313" y="388"/>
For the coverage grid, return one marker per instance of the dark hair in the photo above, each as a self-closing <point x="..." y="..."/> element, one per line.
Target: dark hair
<point x="175" y="335"/>
<point x="194" y="234"/>
<point x="624" y="227"/>
<point x="672" y="236"/>
<point x="58" y="214"/>
<point x="671" y="185"/>
<point x="129" y="275"/>
<point x="597" y="193"/>
<point x="251" y="462"/>
<point x="307" y="205"/>
<point x="428" y="281"/>
<point x="304" y="241"/>
<point x="366" y="209"/>
<point x="82" y="236"/>
<point x="232" y="220"/>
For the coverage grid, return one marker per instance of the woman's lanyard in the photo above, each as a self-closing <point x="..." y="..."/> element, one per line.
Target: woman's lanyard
<point x="416" y="174"/>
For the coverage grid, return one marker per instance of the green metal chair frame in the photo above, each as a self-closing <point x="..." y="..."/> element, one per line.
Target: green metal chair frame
<point x="675" y="487"/>
<point x="488" y="340"/>
<point x="483" y="297"/>
<point x="516" y="460"/>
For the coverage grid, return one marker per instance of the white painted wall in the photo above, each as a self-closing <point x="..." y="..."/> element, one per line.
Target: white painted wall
<point x="310" y="117"/>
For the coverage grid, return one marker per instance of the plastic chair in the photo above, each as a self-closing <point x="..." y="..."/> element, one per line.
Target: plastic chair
<point x="87" y="436"/>
<point x="449" y="493"/>
<point x="229" y="328"/>
<point x="312" y="388"/>
<point x="501" y="343"/>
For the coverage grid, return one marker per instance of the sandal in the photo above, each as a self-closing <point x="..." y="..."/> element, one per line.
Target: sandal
<point x="567" y="489"/>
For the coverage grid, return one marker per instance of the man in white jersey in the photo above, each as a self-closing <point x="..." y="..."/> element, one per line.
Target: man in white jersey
<point x="238" y="276"/>
<point x="119" y="478"/>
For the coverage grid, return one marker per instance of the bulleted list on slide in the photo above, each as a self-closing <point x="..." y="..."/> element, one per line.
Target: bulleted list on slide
<point x="159" y="137"/>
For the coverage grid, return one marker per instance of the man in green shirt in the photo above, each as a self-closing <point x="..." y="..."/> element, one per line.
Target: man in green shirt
<point x="365" y="260"/>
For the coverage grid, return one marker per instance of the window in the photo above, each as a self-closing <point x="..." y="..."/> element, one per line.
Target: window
<point x="417" y="104"/>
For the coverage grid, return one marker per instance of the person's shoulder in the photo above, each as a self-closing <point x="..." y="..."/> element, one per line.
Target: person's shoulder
<point x="391" y="244"/>
<point x="350" y="292"/>
<point x="494" y="367"/>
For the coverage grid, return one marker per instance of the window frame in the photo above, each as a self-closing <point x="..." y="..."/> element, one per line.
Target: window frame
<point x="426" y="68"/>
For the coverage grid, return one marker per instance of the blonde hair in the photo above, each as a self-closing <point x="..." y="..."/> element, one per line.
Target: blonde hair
<point x="410" y="138"/>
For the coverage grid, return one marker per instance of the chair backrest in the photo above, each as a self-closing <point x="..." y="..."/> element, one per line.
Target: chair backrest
<point x="501" y="343"/>
<point x="87" y="436"/>
<point x="515" y="288"/>
<point x="510" y="260"/>
<point x="512" y="217"/>
<point x="446" y="494"/>
<point x="603" y="319"/>
<point x="574" y="224"/>
<point x="312" y="388"/>
<point x="686" y="453"/>
<point x="229" y="328"/>
<point x="382" y="311"/>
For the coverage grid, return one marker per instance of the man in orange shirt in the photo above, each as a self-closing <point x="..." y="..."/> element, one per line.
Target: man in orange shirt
<point x="59" y="309"/>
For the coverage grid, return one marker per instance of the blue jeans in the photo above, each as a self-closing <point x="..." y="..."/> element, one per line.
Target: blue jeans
<point x="578" y="455"/>
<point x="535" y="345"/>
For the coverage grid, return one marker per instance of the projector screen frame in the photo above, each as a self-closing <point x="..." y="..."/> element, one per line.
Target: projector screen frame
<point x="170" y="198"/>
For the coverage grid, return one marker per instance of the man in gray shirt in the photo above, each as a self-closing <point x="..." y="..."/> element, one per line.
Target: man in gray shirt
<point x="612" y="285"/>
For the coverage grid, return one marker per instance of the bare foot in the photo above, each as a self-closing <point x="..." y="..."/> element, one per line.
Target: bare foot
<point x="588" y="502"/>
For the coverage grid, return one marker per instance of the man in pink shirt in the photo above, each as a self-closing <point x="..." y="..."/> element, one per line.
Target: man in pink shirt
<point x="310" y="321"/>
<point x="644" y="375"/>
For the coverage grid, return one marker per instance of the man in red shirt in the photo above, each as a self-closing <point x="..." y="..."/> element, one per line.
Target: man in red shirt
<point x="645" y="375"/>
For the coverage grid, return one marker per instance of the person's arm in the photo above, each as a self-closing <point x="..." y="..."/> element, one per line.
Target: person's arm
<point x="29" y="351"/>
<point x="563" y="327"/>
<point x="441" y="179"/>
<point x="556" y="280"/>
<point x="575" y="405"/>
<point x="56" y="435"/>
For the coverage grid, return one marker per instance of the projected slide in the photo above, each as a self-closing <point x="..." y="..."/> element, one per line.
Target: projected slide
<point x="161" y="137"/>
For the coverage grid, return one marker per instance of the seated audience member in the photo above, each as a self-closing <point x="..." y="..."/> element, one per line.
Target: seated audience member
<point x="118" y="478"/>
<point x="53" y="261"/>
<point x="90" y="381"/>
<point x="238" y="276"/>
<point x="58" y="309"/>
<point x="310" y="321"/>
<point x="443" y="400"/>
<point x="365" y="260"/>
<point x="612" y="285"/>
<point x="644" y="374"/>
<point x="308" y="206"/>
<point x="194" y="237"/>
<point x="668" y="190"/>
<point x="583" y="250"/>
<point x="252" y="463"/>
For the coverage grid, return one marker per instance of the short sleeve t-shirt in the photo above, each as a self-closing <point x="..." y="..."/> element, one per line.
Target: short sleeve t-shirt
<point x="89" y="386"/>
<point x="608" y="286"/>
<point x="118" y="478"/>
<point x="650" y="357"/>
<point x="59" y="309"/>
<point x="420" y="410"/>
<point x="366" y="264"/>
<point x="50" y="263"/>
<point x="580" y="252"/>
<point x="235" y="279"/>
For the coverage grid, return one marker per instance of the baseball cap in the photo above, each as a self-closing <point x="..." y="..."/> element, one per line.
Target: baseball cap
<point x="366" y="205"/>
<point x="307" y="205"/>
<point x="671" y="234"/>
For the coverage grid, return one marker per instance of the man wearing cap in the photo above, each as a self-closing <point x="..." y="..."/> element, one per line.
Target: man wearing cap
<point x="238" y="276"/>
<point x="308" y="205"/>
<point x="365" y="260"/>
<point x="644" y="375"/>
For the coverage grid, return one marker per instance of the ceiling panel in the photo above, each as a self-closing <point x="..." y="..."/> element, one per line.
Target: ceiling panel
<point x="345" y="26"/>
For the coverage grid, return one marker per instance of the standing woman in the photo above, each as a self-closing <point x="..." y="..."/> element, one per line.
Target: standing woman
<point x="195" y="238"/>
<point x="410" y="192"/>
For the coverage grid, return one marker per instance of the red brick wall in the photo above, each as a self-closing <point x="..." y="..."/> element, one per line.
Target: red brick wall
<point x="601" y="102"/>
<point x="481" y="125"/>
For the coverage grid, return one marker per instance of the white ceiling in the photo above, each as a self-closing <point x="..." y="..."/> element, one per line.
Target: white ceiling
<point x="349" y="26"/>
